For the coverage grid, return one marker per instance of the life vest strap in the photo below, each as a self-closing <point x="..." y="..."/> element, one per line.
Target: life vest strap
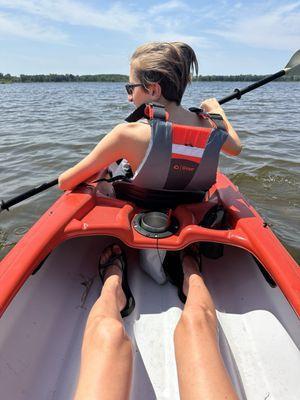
<point x="157" y="111"/>
<point x="113" y="179"/>
<point x="149" y="111"/>
<point x="137" y="114"/>
<point x="216" y="119"/>
<point x="155" y="198"/>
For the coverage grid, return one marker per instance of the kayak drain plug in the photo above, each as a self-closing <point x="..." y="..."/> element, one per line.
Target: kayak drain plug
<point x="155" y="224"/>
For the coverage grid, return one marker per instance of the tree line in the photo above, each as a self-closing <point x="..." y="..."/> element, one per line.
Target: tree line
<point x="7" y="78"/>
<point x="242" y="78"/>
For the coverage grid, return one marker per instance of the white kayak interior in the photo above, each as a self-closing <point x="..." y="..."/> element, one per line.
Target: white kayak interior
<point x="41" y="332"/>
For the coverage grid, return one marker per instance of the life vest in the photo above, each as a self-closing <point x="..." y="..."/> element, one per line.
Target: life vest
<point x="180" y="164"/>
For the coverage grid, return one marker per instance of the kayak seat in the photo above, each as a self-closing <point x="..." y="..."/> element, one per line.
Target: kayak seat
<point x="155" y="199"/>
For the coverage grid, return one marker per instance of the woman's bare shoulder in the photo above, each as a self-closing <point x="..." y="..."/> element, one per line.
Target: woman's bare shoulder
<point x="134" y="140"/>
<point x="135" y="131"/>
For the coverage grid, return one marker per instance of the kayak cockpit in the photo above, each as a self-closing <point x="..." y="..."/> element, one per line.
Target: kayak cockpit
<point x="41" y="332"/>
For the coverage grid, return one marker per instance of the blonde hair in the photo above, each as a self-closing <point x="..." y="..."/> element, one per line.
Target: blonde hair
<point x="171" y="64"/>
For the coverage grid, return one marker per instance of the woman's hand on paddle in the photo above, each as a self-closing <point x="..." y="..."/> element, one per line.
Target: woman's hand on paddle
<point x="61" y="182"/>
<point x="212" y="106"/>
<point x="232" y="145"/>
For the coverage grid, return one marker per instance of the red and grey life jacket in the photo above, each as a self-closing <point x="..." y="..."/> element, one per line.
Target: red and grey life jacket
<point x="180" y="164"/>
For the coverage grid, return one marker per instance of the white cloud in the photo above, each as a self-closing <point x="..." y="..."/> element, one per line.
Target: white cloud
<point x="276" y="29"/>
<point x="171" y="36"/>
<point x="75" y="13"/>
<point x="167" y="7"/>
<point x="137" y="24"/>
<point x="263" y="25"/>
<point x="23" y="27"/>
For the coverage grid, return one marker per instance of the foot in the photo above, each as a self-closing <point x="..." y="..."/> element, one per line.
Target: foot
<point x="113" y="272"/>
<point x="190" y="266"/>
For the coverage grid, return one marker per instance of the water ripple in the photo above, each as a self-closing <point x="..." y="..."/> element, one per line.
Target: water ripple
<point x="46" y="128"/>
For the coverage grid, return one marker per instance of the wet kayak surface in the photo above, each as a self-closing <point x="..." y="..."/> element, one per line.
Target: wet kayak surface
<point x="47" y="128"/>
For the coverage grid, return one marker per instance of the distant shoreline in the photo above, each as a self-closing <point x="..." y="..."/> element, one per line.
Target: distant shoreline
<point x="41" y="78"/>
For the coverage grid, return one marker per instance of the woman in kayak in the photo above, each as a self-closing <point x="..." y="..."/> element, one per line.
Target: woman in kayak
<point x="107" y="356"/>
<point x="159" y="73"/>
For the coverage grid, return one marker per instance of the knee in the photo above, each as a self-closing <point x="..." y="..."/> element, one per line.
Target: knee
<point x="195" y="319"/>
<point x="106" y="331"/>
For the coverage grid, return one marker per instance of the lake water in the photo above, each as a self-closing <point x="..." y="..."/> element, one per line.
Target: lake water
<point x="47" y="128"/>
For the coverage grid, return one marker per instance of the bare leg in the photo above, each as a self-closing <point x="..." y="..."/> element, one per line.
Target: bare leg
<point x="106" y="355"/>
<point x="200" y="368"/>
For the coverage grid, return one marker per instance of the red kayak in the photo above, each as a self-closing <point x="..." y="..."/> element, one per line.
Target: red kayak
<point x="86" y="212"/>
<point x="254" y="282"/>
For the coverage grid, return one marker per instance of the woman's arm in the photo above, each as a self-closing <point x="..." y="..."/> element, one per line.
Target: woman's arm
<point x="110" y="149"/>
<point x="232" y="145"/>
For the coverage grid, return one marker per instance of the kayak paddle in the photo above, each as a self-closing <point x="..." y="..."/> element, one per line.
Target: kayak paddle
<point x="18" y="199"/>
<point x="292" y="67"/>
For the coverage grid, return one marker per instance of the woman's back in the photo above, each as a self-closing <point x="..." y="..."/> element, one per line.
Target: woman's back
<point x="138" y="135"/>
<point x="159" y="73"/>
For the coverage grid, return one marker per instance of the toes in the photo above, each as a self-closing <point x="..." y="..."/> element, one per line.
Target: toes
<point x="105" y="255"/>
<point x="117" y="249"/>
<point x="108" y="253"/>
<point x="189" y="264"/>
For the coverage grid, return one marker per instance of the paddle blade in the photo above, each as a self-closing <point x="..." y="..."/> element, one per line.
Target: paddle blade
<point x="293" y="66"/>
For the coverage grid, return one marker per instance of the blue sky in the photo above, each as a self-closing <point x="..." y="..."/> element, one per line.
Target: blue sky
<point x="89" y="37"/>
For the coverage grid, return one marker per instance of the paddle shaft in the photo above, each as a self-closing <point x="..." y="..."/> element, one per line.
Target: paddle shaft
<point x="237" y="94"/>
<point x="38" y="189"/>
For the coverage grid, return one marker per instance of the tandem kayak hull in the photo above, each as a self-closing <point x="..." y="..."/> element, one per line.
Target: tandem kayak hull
<point x="257" y="298"/>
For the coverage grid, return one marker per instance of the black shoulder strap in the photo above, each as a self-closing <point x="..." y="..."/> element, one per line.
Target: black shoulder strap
<point x="137" y="114"/>
<point x="217" y="118"/>
<point x="219" y="121"/>
<point x="149" y="111"/>
<point x="196" y="110"/>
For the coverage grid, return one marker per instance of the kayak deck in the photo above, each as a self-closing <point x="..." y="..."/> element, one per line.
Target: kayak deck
<point x="41" y="331"/>
<point x="88" y="211"/>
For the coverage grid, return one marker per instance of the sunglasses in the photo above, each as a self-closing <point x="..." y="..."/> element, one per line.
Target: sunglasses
<point x="130" y="86"/>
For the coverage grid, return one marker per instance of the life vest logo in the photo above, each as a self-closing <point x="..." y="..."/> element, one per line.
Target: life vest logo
<point x="184" y="168"/>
